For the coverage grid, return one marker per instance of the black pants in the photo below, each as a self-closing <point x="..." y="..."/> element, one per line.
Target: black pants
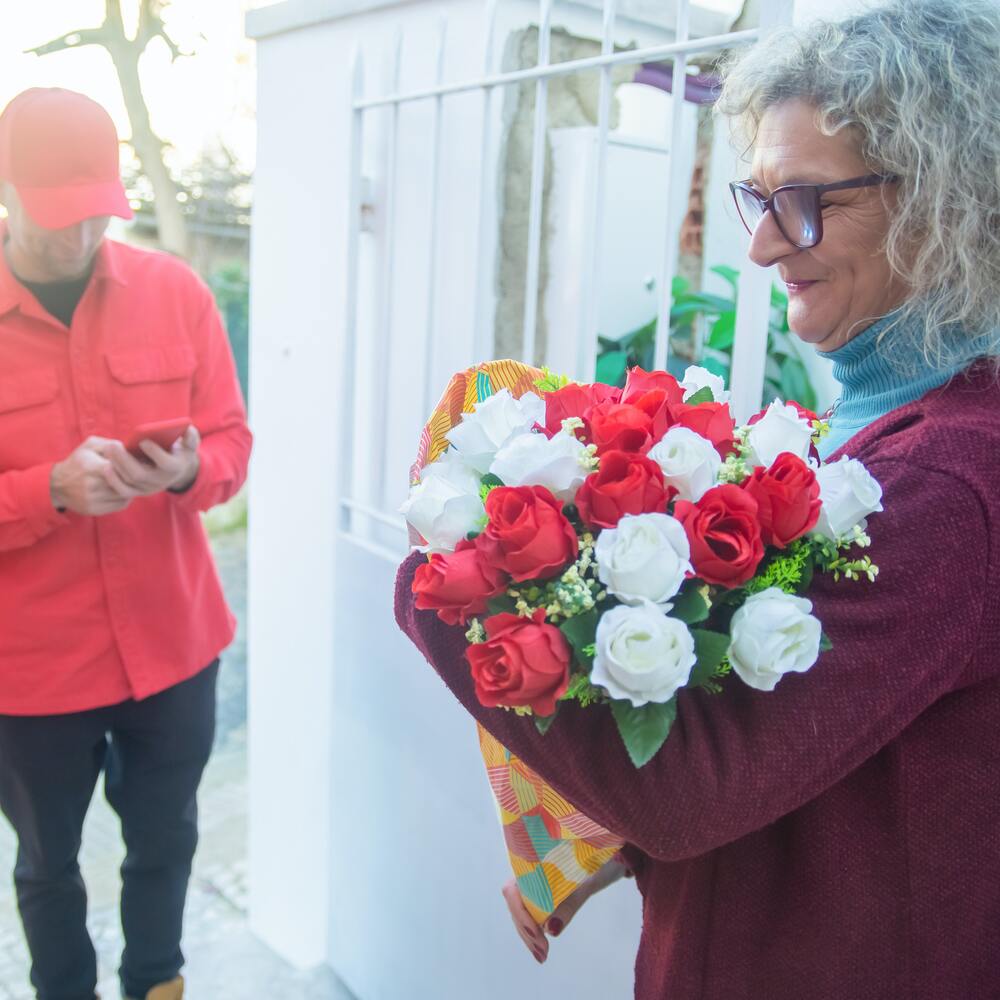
<point x="153" y="753"/>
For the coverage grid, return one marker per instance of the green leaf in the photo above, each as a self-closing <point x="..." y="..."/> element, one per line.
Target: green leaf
<point x="710" y="648"/>
<point x="679" y="285"/>
<point x="542" y="723"/>
<point x="723" y="332"/>
<point x="824" y="643"/>
<point x="581" y="632"/>
<point x="690" y="606"/>
<point x="716" y="367"/>
<point x="501" y="604"/>
<point x="611" y="367"/>
<point x="703" y="395"/>
<point x="729" y="274"/>
<point x="644" y="730"/>
<point x="491" y="481"/>
<point x="794" y="381"/>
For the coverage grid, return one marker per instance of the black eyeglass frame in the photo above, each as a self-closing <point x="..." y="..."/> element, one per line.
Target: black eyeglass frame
<point x="767" y="204"/>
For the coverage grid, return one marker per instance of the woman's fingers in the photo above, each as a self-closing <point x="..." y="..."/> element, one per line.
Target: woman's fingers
<point x="529" y="932"/>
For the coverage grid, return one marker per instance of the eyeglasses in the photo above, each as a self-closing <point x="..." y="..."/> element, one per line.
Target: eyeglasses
<point x="796" y="207"/>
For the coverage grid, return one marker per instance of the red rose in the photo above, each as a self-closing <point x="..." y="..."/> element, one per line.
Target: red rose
<point x="457" y="585"/>
<point x="619" y="427"/>
<point x="711" y="420"/>
<point x="639" y="382"/>
<point x="656" y="405"/>
<point x="524" y="661"/>
<point x="527" y="534"/>
<point x="787" y="496"/>
<point x="722" y="527"/>
<point x="624" y="484"/>
<point x="575" y="401"/>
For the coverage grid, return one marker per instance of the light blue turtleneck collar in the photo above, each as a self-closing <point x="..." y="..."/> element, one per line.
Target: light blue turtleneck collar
<point x="872" y="385"/>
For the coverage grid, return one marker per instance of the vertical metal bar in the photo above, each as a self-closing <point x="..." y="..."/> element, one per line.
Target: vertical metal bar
<point x="349" y="353"/>
<point x="433" y="229"/>
<point x="538" y="151"/>
<point x="482" y="333"/>
<point x="753" y="300"/>
<point x="380" y="388"/>
<point x="670" y="254"/>
<point x="592" y="279"/>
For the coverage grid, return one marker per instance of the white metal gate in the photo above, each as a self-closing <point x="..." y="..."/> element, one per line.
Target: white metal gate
<point x="372" y="844"/>
<point x="367" y="517"/>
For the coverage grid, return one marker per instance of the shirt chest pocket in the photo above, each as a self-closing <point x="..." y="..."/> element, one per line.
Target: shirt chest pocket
<point x="32" y="423"/>
<point x="151" y="385"/>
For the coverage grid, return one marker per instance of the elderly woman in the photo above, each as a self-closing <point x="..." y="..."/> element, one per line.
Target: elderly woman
<point x="839" y="838"/>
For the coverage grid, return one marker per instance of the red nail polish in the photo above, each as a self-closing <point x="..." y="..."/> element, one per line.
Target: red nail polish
<point x="555" y="926"/>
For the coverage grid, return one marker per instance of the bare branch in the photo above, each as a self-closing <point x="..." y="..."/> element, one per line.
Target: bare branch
<point x="151" y="26"/>
<point x="72" y="40"/>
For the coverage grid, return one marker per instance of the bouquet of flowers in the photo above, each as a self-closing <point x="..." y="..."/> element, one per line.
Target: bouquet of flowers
<point x="614" y="546"/>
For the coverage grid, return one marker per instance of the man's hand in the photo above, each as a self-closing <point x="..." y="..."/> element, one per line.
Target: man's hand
<point x="175" y="470"/>
<point x="80" y="483"/>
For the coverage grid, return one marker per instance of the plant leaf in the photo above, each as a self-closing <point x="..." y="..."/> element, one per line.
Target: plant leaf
<point x="723" y="332"/>
<point x="690" y="606"/>
<point x="501" y="604"/>
<point x="644" y="730"/>
<point x="543" y="722"/>
<point x="703" y="395"/>
<point x="824" y="643"/>
<point x="729" y="274"/>
<point x="491" y="481"/>
<point x="581" y="632"/>
<point x="611" y="367"/>
<point x="709" y="648"/>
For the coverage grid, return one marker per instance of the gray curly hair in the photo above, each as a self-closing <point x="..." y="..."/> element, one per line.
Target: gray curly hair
<point x="920" y="82"/>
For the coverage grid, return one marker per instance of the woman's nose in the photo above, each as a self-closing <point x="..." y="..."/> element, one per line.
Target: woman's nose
<point x="767" y="245"/>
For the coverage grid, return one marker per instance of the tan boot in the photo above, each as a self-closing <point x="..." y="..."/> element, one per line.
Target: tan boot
<point x="174" y="990"/>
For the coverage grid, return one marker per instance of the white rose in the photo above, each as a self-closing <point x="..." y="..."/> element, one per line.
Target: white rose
<point x="642" y="655"/>
<point x="697" y="378"/>
<point x="644" y="558"/>
<point x="559" y="463"/>
<point x="497" y="419"/>
<point x="849" y="493"/>
<point x="445" y="505"/>
<point x="780" y="429"/>
<point x="771" y="635"/>
<point x="689" y="462"/>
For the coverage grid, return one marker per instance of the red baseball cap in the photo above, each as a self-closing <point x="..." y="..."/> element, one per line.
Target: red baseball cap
<point x="60" y="151"/>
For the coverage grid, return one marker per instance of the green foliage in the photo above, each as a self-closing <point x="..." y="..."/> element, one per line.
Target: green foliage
<point x="580" y="632"/>
<point x="785" y="376"/>
<point x="711" y="649"/>
<point x="230" y="285"/>
<point x="643" y="730"/>
<point x="690" y="605"/>
<point x="542" y="723"/>
<point x="791" y="571"/>
<point x="551" y="381"/>
<point x="581" y="690"/>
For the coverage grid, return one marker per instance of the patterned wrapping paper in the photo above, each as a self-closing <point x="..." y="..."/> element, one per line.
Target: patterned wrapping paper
<point x="552" y="846"/>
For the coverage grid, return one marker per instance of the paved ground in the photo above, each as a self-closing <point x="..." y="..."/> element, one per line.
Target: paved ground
<point x="224" y="961"/>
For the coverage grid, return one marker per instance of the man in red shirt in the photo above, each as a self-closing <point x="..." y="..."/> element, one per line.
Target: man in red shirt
<point x="112" y="616"/>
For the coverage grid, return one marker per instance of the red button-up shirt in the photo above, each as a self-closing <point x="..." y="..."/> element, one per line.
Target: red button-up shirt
<point x="96" y="610"/>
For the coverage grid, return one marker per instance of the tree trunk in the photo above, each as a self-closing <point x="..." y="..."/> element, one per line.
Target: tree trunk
<point x="149" y="148"/>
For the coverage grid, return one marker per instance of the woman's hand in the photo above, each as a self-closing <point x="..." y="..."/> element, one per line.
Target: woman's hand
<point x="534" y="936"/>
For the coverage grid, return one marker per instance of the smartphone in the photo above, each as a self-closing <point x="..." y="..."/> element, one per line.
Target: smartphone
<point x="163" y="432"/>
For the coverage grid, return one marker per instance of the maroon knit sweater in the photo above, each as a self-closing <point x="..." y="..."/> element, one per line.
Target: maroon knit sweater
<point x="838" y="838"/>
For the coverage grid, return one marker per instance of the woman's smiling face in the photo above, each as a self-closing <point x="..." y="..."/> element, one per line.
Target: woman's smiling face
<point x="839" y="287"/>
